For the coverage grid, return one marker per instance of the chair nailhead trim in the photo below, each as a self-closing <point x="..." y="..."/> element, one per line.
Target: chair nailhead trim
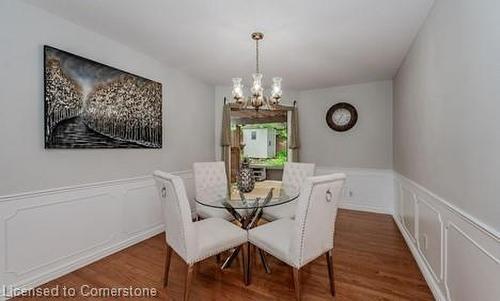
<point x="217" y="251"/>
<point x="303" y="227"/>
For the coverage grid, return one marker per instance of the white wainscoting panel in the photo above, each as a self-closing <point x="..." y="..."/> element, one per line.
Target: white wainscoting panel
<point x="366" y="189"/>
<point x="430" y="237"/>
<point x="46" y="234"/>
<point x="142" y="210"/>
<point x="458" y="256"/>
<point x="73" y="226"/>
<point x="407" y="212"/>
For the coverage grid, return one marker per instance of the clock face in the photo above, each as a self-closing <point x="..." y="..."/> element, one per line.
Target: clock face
<point x="341" y="117"/>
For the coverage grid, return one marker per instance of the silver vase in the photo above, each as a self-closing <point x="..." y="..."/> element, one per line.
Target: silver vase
<point x="246" y="181"/>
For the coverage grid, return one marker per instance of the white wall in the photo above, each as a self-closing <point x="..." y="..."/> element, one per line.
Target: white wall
<point x="446" y="146"/>
<point x="24" y="163"/>
<point x="45" y="230"/>
<point x="446" y="108"/>
<point x="367" y="145"/>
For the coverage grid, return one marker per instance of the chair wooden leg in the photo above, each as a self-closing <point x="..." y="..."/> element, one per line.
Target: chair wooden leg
<point x="296" y="282"/>
<point x="189" y="278"/>
<point x="247" y="265"/>
<point x="253" y="256"/>
<point x="167" y="265"/>
<point x="329" y="260"/>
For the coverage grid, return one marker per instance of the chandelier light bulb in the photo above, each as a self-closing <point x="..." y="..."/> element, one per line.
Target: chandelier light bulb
<point x="276" y="91"/>
<point x="237" y="90"/>
<point x="257" y="89"/>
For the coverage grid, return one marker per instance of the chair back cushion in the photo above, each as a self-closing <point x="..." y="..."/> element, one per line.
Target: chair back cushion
<point x="179" y="228"/>
<point x="294" y="175"/>
<point x="315" y="216"/>
<point x="210" y="180"/>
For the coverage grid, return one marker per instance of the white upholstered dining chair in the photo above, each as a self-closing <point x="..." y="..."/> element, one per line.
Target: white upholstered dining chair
<point x="301" y="240"/>
<point x="294" y="175"/>
<point x="210" y="180"/>
<point x="193" y="241"/>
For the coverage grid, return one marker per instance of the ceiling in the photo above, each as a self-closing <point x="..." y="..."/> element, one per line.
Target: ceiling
<point x="310" y="43"/>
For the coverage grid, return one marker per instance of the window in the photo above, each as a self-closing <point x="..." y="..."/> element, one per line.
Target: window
<point x="253" y="135"/>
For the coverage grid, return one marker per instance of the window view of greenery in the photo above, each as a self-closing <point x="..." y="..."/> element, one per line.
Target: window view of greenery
<point x="265" y="144"/>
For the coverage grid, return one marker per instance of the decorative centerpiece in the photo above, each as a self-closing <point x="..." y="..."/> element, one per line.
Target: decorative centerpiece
<point x="246" y="181"/>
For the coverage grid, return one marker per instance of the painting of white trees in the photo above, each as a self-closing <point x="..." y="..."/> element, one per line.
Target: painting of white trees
<point x="92" y="105"/>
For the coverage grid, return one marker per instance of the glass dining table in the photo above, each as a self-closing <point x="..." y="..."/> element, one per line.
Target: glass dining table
<point x="247" y="209"/>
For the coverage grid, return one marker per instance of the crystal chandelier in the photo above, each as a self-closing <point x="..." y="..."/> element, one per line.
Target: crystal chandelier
<point x="257" y="99"/>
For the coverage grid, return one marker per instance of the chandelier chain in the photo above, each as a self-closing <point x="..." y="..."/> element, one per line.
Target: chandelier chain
<point x="257" y="56"/>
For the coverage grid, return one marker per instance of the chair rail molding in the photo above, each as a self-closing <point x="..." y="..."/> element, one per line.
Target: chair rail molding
<point x="73" y="226"/>
<point x="458" y="255"/>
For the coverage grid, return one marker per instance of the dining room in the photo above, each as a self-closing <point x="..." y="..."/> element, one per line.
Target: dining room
<point x="249" y="150"/>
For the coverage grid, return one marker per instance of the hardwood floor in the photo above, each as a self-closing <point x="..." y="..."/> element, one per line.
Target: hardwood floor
<point x="371" y="262"/>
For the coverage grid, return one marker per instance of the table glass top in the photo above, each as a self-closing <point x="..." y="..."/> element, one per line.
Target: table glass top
<point x="254" y="199"/>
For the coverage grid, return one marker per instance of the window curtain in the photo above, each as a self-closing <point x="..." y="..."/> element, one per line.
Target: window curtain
<point x="294" y="135"/>
<point x="225" y="140"/>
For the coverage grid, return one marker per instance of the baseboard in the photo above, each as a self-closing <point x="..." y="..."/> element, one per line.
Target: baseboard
<point x="87" y="259"/>
<point x="436" y="292"/>
<point x="360" y="207"/>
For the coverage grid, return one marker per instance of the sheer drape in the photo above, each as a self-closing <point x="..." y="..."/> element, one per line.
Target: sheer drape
<point x="225" y="140"/>
<point x="294" y="144"/>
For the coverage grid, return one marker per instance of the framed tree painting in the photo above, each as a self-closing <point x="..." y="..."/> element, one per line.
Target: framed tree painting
<point x="92" y="105"/>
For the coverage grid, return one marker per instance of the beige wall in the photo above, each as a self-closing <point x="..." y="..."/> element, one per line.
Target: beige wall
<point x="24" y="163"/>
<point x="367" y="145"/>
<point x="447" y="107"/>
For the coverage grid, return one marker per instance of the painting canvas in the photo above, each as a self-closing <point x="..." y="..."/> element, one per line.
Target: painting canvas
<point x="92" y="105"/>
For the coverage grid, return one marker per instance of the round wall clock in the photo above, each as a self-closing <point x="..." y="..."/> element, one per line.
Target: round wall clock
<point x="341" y="117"/>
